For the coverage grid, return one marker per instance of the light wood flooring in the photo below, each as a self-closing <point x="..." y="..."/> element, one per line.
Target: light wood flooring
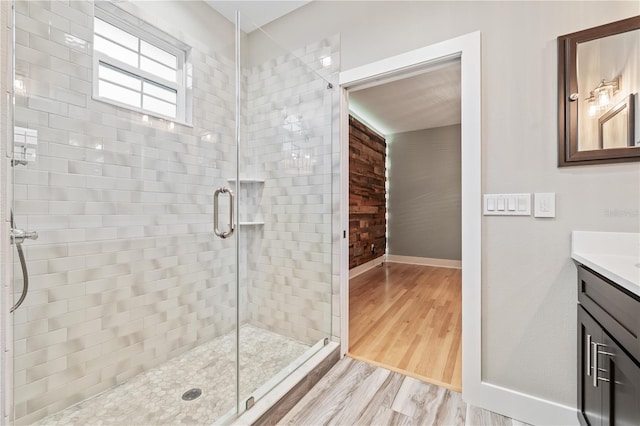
<point x="358" y="393"/>
<point x="408" y="318"/>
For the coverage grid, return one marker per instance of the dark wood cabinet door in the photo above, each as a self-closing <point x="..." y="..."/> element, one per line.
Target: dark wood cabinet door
<point x="620" y="385"/>
<point x="589" y="396"/>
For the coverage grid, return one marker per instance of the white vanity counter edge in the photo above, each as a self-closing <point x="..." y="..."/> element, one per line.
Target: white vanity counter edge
<point x="614" y="255"/>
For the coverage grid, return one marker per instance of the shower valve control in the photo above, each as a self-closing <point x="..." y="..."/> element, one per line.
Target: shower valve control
<point x="19" y="235"/>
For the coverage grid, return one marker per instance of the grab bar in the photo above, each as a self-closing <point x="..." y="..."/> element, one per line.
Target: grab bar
<point x="17" y="237"/>
<point x="216" y="230"/>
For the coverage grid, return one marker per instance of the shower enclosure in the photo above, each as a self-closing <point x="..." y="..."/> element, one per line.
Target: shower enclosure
<point x="181" y="184"/>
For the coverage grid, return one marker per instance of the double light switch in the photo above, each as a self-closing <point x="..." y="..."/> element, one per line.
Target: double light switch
<point x="507" y="204"/>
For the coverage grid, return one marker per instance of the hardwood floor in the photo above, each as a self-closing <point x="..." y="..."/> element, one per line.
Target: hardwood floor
<point x="408" y="318"/>
<point x="357" y="393"/>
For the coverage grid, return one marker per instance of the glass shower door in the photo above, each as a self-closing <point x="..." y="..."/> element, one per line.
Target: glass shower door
<point x="288" y="160"/>
<point x="125" y="127"/>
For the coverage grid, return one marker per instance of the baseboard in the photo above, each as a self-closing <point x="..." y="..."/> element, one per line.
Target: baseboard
<point x="520" y="406"/>
<point x="361" y="269"/>
<point x="443" y="263"/>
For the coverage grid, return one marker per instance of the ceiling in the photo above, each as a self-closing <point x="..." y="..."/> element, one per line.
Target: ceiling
<point x="255" y="13"/>
<point x="424" y="101"/>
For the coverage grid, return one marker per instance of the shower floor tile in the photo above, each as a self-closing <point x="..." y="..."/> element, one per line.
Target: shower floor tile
<point x="155" y="396"/>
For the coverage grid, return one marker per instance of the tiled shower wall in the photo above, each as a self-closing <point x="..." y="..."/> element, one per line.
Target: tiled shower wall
<point x="126" y="272"/>
<point x="292" y="146"/>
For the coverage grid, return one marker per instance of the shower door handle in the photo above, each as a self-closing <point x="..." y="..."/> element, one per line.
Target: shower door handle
<point x="216" y="229"/>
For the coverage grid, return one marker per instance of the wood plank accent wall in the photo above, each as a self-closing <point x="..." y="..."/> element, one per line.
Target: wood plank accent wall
<point x="367" y="204"/>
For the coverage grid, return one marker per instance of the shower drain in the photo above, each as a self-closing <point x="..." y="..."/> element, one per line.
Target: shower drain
<point x="191" y="394"/>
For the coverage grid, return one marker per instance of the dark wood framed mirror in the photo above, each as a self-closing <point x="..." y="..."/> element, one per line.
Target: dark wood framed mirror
<point x="598" y="84"/>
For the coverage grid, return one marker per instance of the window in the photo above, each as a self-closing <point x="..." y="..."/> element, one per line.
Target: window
<point x="138" y="67"/>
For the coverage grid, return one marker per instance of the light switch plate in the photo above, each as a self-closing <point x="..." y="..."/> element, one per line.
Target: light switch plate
<point x="507" y="204"/>
<point x="544" y="204"/>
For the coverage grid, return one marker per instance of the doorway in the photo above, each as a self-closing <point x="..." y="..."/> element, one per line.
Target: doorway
<point x="402" y="66"/>
<point x="405" y="225"/>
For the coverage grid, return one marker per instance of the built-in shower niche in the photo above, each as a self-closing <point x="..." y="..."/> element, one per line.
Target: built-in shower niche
<point x="250" y="228"/>
<point x="250" y="192"/>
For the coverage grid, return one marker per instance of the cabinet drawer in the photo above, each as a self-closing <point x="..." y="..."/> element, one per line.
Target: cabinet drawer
<point x="616" y="309"/>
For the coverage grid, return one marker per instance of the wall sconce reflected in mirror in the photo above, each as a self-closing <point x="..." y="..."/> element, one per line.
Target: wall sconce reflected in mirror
<point x="602" y="96"/>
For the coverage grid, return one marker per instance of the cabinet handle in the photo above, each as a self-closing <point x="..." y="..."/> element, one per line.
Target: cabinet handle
<point x="589" y="367"/>
<point x="596" y="368"/>
<point x="595" y="363"/>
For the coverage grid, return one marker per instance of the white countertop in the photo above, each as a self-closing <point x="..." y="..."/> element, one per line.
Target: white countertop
<point x="614" y="255"/>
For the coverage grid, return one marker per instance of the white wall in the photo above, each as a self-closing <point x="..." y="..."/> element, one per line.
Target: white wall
<point x="529" y="281"/>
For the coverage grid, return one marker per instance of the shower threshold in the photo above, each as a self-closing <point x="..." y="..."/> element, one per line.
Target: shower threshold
<point x="154" y="397"/>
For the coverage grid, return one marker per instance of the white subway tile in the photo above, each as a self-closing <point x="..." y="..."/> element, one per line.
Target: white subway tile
<point x="74" y="94"/>
<point x="46" y="281"/>
<point x="31" y="206"/>
<point x="30" y="390"/>
<point x="99" y="234"/>
<point x="53" y="78"/>
<point x="66" y="207"/>
<point x="31" y="177"/>
<point x="84" y="328"/>
<point x="81" y="303"/>
<point x="45" y="252"/>
<point x="66" y="264"/>
<point x="51" y="338"/>
<point x="26" y="117"/>
<point x="62" y="150"/>
<point x="84" y="168"/>
<point x="58" y="236"/>
<point x="47" y="105"/>
<point x="32" y="192"/>
<point x="22" y="331"/>
<point x="73" y="42"/>
<point x="46" y="369"/>
<point x="66" y="292"/>
<point x="78" y="17"/>
<point x="79" y="91"/>
<point x="42" y="14"/>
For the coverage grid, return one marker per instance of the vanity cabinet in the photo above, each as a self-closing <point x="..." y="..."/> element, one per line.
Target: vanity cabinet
<point x="608" y="352"/>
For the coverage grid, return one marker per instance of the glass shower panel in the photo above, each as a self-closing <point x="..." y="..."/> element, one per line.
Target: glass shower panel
<point x="131" y="314"/>
<point x="287" y="148"/>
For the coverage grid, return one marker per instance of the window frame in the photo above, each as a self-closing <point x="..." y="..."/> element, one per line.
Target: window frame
<point x="143" y="32"/>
